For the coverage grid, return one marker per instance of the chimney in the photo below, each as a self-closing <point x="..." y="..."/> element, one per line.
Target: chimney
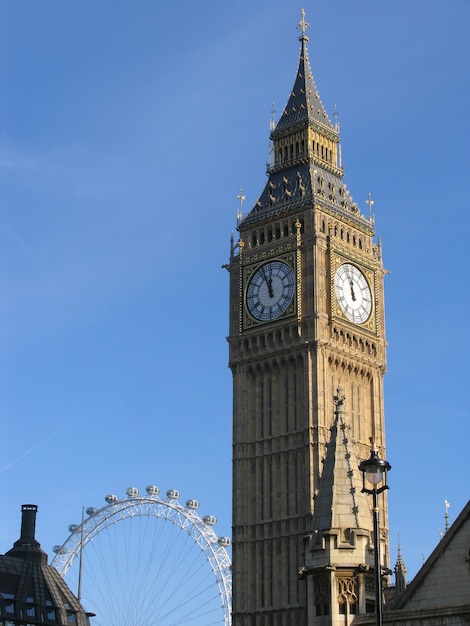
<point x="27" y="547"/>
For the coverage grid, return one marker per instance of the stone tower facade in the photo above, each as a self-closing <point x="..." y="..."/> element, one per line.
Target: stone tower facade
<point x="307" y="353"/>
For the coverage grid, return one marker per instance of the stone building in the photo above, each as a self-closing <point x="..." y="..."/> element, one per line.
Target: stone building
<point x="31" y="591"/>
<point x="439" y="594"/>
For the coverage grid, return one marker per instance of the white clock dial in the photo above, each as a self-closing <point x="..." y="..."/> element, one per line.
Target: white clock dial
<point x="270" y="291"/>
<point x="353" y="293"/>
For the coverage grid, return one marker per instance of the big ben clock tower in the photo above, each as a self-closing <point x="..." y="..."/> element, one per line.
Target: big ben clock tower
<point x="307" y="353"/>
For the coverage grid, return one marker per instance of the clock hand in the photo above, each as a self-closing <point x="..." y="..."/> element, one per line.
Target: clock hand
<point x="269" y="282"/>
<point x="353" y="295"/>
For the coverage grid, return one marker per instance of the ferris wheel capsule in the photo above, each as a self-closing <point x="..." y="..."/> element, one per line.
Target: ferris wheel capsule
<point x="173" y="494"/>
<point x="132" y="492"/>
<point x="210" y="520"/>
<point x="192" y="504"/>
<point x="58" y="549"/>
<point x="90" y="511"/>
<point x="74" y="527"/>
<point x="225" y="542"/>
<point x="111" y="499"/>
<point x="152" y="490"/>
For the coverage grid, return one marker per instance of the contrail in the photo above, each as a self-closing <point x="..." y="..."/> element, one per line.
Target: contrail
<point x="71" y="423"/>
<point x="38" y="445"/>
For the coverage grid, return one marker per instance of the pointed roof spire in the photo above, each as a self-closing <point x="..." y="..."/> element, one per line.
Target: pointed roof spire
<point x="304" y="104"/>
<point x="340" y="502"/>
<point x="305" y="157"/>
<point x="400" y="571"/>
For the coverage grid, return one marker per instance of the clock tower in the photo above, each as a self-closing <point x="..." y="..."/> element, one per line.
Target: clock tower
<point x="307" y="353"/>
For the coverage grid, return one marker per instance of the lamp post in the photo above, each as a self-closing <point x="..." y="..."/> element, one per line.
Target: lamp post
<point x="374" y="470"/>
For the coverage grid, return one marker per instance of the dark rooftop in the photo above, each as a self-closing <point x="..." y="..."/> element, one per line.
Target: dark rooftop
<point x="31" y="591"/>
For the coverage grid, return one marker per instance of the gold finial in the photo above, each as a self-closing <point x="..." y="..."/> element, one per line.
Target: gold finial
<point x="272" y="123"/>
<point x="335" y="115"/>
<point x="371" y="203"/>
<point x="303" y="25"/>
<point x="241" y="198"/>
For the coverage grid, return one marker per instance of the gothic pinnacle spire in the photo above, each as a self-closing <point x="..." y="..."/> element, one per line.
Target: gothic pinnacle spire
<point x="400" y="571"/>
<point x="304" y="104"/>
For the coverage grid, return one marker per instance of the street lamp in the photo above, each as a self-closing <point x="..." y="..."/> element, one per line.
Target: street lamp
<point x="374" y="470"/>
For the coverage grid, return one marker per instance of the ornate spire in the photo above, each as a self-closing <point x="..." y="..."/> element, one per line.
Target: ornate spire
<point x="304" y="104"/>
<point x="400" y="571"/>
<point x="305" y="163"/>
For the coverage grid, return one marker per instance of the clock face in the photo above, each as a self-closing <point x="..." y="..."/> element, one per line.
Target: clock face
<point x="353" y="293"/>
<point x="270" y="291"/>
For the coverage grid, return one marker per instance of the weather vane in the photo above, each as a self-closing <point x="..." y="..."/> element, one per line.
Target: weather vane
<point x="303" y="24"/>
<point x="242" y="198"/>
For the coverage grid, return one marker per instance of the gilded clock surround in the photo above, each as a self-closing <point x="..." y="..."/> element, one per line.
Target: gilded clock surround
<point x="250" y="320"/>
<point x="370" y="275"/>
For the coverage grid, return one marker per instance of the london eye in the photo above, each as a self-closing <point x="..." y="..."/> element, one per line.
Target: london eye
<point x="148" y="560"/>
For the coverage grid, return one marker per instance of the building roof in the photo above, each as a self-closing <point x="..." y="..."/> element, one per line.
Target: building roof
<point x="445" y="576"/>
<point x="439" y="593"/>
<point x="31" y="591"/>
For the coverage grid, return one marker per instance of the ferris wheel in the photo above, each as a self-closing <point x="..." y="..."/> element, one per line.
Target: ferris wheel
<point x="145" y="560"/>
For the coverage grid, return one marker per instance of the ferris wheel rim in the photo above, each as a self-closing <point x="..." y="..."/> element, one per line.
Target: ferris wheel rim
<point x="168" y="509"/>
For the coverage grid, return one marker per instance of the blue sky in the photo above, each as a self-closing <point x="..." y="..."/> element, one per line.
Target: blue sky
<point x="126" y="132"/>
